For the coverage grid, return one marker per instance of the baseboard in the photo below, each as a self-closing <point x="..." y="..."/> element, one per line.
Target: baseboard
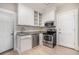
<point x="6" y="51"/>
<point x="76" y="49"/>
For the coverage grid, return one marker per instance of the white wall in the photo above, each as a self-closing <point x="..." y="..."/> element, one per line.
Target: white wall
<point x="67" y="6"/>
<point x="9" y="6"/>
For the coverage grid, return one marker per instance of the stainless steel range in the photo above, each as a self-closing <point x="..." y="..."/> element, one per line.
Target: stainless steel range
<point x="50" y="36"/>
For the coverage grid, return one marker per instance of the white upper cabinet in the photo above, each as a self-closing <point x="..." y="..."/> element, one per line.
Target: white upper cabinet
<point x="25" y="15"/>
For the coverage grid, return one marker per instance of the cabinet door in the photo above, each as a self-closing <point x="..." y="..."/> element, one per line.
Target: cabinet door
<point x="23" y="46"/>
<point x="26" y="43"/>
<point x="29" y="42"/>
<point x="25" y="15"/>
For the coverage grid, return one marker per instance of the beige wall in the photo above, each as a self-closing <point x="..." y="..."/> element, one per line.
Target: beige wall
<point x="9" y="6"/>
<point x="67" y="6"/>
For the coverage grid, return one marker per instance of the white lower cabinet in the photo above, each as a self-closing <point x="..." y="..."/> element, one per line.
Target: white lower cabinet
<point x="24" y="43"/>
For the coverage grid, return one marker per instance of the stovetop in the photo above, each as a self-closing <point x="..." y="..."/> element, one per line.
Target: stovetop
<point x="50" y="32"/>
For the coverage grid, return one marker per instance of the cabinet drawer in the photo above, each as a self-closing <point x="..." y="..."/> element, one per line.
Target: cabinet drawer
<point x="26" y="37"/>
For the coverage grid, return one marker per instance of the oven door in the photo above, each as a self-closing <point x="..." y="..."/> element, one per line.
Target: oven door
<point x="48" y="38"/>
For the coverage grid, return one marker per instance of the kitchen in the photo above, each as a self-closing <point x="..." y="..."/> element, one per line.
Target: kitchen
<point x="39" y="26"/>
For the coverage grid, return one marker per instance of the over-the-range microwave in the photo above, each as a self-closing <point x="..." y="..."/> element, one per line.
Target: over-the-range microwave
<point x="49" y="24"/>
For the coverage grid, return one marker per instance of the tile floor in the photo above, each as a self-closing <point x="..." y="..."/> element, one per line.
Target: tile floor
<point x="43" y="50"/>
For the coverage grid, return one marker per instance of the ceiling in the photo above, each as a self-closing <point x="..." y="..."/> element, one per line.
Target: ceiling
<point x="43" y="7"/>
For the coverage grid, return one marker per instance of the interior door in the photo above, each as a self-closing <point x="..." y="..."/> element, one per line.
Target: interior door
<point x="6" y="30"/>
<point x="66" y="29"/>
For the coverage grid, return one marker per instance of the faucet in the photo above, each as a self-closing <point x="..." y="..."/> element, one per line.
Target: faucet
<point x="22" y="29"/>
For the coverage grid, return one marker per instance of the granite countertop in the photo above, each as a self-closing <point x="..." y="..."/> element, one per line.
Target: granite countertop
<point x="29" y="33"/>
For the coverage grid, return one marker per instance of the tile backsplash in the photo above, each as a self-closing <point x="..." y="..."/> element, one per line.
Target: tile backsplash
<point x="21" y="28"/>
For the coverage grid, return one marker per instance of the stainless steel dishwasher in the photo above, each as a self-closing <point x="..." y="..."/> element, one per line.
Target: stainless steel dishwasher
<point x="35" y="40"/>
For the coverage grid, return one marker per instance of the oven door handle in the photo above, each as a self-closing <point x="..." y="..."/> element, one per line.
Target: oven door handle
<point x="48" y="35"/>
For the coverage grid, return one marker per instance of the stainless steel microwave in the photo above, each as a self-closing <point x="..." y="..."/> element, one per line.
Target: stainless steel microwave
<point x="49" y="24"/>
